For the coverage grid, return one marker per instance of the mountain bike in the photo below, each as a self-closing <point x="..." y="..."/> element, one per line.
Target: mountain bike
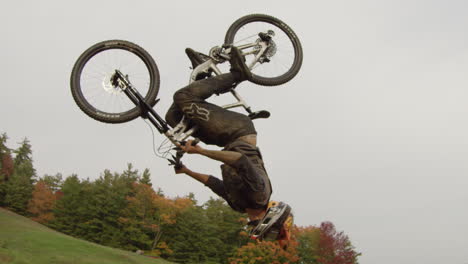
<point x="116" y="81"/>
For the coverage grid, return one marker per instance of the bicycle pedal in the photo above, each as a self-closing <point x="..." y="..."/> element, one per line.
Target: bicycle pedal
<point x="259" y="114"/>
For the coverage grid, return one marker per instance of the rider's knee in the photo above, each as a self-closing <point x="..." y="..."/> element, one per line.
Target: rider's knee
<point x="182" y="97"/>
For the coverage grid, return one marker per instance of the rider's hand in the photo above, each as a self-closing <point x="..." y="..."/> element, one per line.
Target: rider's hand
<point x="189" y="148"/>
<point x="181" y="170"/>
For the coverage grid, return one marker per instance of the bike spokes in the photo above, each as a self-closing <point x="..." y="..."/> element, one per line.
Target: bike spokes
<point x="269" y="51"/>
<point x="97" y="83"/>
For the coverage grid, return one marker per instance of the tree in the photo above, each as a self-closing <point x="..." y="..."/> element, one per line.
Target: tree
<point x="53" y="182"/>
<point x="6" y="161"/>
<point x="140" y="217"/>
<point x="335" y="247"/>
<point x="3" y="148"/>
<point x="24" y="153"/>
<point x="131" y="173"/>
<point x="225" y="229"/>
<point x="146" y="214"/>
<point x="146" y="177"/>
<point x="69" y="209"/>
<point x="6" y="167"/>
<point x="91" y="210"/>
<point x="266" y="252"/>
<point x="18" y="189"/>
<point x="188" y="238"/>
<point x="308" y="243"/>
<point x="42" y="203"/>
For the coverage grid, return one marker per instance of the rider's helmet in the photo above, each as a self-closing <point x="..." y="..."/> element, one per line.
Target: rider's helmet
<point x="281" y="229"/>
<point x="276" y="225"/>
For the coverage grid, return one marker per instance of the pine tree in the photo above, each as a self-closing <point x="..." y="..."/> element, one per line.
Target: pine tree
<point x="3" y="148"/>
<point x="53" y="182"/>
<point x="68" y="209"/>
<point x="225" y="229"/>
<point x="18" y="189"/>
<point x="146" y="178"/>
<point x="131" y="173"/>
<point x="188" y="238"/>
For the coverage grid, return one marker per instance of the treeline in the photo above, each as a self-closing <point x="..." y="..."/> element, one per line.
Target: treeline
<point x="123" y="210"/>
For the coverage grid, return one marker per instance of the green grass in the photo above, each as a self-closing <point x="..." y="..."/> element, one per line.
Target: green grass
<point x="23" y="241"/>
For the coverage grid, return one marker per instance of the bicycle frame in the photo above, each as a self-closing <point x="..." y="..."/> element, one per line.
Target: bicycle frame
<point x="180" y="132"/>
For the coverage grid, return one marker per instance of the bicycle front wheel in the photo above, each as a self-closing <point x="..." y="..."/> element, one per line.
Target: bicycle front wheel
<point x="91" y="80"/>
<point x="283" y="58"/>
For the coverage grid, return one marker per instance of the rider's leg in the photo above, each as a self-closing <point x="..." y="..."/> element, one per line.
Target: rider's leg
<point x="238" y="67"/>
<point x="216" y="125"/>
<point x="203" y="89"/>
<point x="198" y="91"/>
<point x="174" y="115"/>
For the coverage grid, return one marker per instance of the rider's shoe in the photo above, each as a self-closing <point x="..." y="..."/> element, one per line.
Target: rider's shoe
<point x="238" y="67"/>
<point x="272" y="226"/>
<point x="197" y="58"/>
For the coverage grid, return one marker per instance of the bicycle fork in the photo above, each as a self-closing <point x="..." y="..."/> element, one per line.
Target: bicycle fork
<point x="147" y="111"/>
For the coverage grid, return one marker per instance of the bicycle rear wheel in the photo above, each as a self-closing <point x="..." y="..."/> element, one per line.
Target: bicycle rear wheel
<point x="95" y="93"/>
<point x="284" y="55"/>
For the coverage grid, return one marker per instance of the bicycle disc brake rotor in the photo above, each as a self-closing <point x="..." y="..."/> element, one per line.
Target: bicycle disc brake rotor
<point x="270" y="50"/>
<point x="108" y="85"/>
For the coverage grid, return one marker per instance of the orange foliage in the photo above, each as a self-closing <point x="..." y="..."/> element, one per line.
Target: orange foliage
<point x="42" y="203"/>
<point x="7" y="166"/>
<point x="334" y="247"/>
<point x="266" y="252"/>
<point x="152" y="209"/>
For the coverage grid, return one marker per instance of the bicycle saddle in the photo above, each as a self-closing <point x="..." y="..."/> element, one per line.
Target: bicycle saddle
<point x="196" y="58"/>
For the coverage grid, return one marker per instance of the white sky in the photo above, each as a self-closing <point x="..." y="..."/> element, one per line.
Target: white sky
<point x="371" y="135"/>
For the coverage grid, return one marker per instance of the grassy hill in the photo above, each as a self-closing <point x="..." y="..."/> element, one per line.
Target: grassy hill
<point x="23" y="241"/>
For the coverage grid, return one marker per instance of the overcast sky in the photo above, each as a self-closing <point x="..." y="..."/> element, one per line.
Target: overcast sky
<point x="371" y="135"/>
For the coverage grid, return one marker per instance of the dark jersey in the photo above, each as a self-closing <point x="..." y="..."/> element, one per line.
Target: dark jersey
<point x="245" y="183"/>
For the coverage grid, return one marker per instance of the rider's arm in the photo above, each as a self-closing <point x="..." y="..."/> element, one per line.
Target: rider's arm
<point x="215" y="184"/>
<point x="227" y="157"/>
<point x="203" y="178"/>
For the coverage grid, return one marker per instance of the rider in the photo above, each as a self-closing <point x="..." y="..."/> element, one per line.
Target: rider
<point x="245" y="185"/>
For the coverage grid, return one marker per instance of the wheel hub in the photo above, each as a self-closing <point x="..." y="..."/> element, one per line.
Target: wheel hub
<point x="271" y="50"/>
<point x="109" y="84"/>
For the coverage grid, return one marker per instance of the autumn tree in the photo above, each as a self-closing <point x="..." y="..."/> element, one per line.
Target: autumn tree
<point x="139" y="218"/>
<point x="42" y="202"/>
<point x="266" y="252"/>
<point x="6" y="166"/>
<point x="146" y="215"/>
<point x="335" y="247"/>
<point x="6" y="161"/>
